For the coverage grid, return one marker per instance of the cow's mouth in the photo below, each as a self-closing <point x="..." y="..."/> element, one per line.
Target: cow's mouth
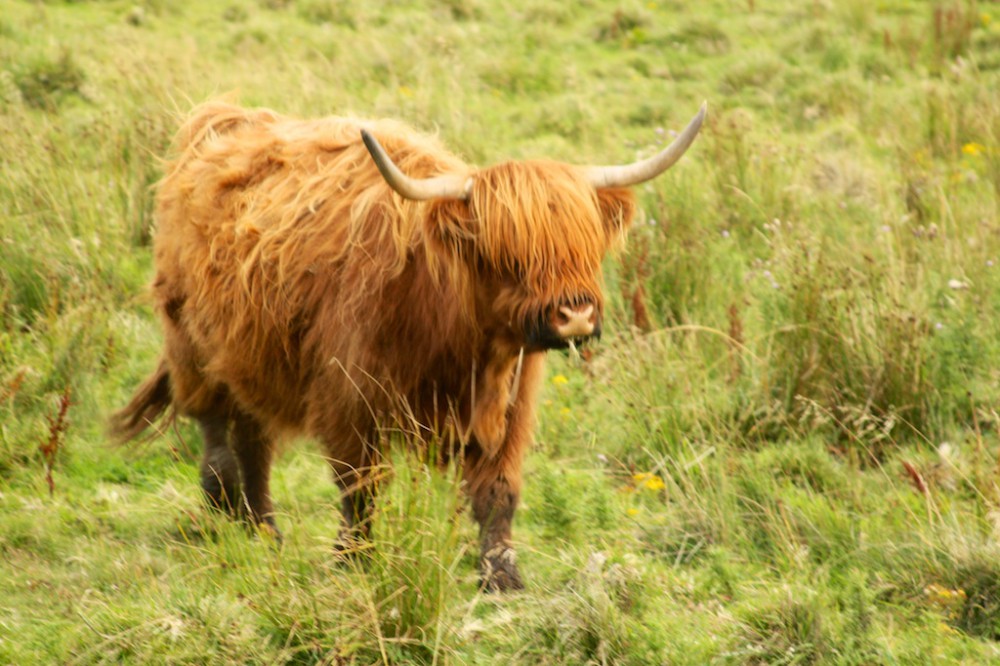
<point x="542" y="338"/>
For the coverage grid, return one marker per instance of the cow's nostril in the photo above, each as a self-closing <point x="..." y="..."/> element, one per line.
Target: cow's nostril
<point x="570" y="322"/>
<point x="578" y="313"/>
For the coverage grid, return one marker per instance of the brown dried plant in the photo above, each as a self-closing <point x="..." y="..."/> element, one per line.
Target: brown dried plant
<point x="57" y="428"/>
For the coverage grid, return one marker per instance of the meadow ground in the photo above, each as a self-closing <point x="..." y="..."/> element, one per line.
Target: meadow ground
<point x="785" y="450"/>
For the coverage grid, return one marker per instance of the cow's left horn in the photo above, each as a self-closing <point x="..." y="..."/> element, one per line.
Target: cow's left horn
<point x="640" y="172"/>
<point x="418" y="189"/>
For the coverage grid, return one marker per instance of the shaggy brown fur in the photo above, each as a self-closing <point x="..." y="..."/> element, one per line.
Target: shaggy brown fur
<point x="300" y="295"/>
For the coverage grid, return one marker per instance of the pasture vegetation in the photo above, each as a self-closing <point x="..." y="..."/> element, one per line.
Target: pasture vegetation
<point x="784" y="451"/>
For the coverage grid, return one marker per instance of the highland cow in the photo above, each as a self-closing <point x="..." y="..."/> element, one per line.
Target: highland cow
<point x="337" y="277"/>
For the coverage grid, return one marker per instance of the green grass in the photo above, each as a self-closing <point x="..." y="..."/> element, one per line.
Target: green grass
<point x="789" y="456"/>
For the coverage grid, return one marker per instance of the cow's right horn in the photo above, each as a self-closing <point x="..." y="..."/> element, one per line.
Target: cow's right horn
<point x="647" y="169"/>
<point x="417" y="189"/>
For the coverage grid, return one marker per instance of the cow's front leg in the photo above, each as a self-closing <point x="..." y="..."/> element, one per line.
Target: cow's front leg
<point x="491" y="403"/>
<point x="493" y="481"/>
<point x="494" y="487"/>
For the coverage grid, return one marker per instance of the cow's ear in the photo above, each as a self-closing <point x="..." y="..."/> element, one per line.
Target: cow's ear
<point x="617" y="206"/>
<point x="450" y="227"/>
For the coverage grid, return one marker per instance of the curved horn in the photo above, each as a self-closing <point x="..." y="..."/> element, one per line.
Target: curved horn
<point x="647" y="169"/>
<point x="417" y="189"/>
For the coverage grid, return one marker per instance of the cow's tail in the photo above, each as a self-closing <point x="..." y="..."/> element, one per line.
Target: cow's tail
<point x="150" y="404"/>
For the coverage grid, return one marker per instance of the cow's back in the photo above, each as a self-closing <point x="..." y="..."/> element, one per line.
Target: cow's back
<point x="263" y="223"/>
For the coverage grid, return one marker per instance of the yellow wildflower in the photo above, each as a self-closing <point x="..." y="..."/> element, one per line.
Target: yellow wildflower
<point x="942" y="596"/>
<point x="973" y="149"/>
<point x="559" y="380"/>
<point x="985" y="19"/>
<point x="946" y="628"/>
<point x="649" y="481"/>
<point x="564" y="412"/>
<point x="632" y="511"/>
<point x="405" y="91"/>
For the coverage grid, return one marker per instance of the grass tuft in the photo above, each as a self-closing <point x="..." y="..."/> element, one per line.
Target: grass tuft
<point x="44" y="82"/>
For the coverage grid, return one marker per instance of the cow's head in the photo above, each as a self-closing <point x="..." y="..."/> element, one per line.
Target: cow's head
<point x="533" y="235"/>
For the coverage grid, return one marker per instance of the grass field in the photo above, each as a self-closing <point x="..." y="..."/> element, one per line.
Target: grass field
<point x="784" y="451"/>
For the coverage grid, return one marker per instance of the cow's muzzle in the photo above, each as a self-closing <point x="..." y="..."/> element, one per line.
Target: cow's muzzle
<point x="576" y="323"/>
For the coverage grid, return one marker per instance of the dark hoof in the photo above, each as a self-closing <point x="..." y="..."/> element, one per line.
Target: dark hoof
<point x="352" y="549"/>
<point x="498" y="569"/>
<point x="218" y="500"/>
<point x="268" y="530"/>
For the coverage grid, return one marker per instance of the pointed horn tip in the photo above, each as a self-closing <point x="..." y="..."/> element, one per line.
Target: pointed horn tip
<point x="693" y="128"/>
<point x="415" y="189"/>
<point x="699" y="117"/>
<point x="374" y="147"/>
<point x="644" y="170"/>
<point x="371" y="143"/>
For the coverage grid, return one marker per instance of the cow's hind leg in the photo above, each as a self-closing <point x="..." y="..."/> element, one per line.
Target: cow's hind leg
<point x="254" y="452"/>
<point x="353" y="463"/>
<point x="356" y="503"/>
<point x="220" y="474"/>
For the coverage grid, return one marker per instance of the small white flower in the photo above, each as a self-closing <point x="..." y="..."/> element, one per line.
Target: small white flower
<point x="725" y="233"/>
<point x="957" y="284"/>
<point x="947" y="452"/>
<point x="596" y="561"/>
<point x="938" y="326"/>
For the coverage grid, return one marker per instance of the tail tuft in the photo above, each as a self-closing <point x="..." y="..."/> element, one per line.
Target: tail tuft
<point x="149" y="404"/>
